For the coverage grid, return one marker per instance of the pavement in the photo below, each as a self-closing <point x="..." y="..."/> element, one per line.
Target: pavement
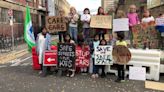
<point x="20" y="77"/>
<point x="18" y="51"/>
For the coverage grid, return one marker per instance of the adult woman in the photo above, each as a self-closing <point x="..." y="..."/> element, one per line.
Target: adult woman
<point x="101" y="31"/>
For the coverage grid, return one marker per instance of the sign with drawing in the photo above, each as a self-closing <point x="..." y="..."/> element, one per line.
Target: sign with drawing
<point x="103" y="55"/>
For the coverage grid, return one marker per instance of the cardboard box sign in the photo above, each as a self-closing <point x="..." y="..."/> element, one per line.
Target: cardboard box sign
<point x="103" y="55"/>
<point x="50" y="58"/>
<point x="82" y="56"/>
<point x="101" y="21"/>
<point x="55" y="24"/>
<point x="66" y="56"/>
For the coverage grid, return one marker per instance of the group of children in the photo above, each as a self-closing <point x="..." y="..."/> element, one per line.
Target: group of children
<point x="99" y="38"/>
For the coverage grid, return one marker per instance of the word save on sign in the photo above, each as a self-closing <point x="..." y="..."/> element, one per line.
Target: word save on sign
<point x="55" y="24"/>
<point x="66" y="56"/>
<point x="103" y="55"/>
<point x="82" y="56"/>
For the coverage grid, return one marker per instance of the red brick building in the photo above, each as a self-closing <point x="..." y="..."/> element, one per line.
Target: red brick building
<point x="38" y="13"/>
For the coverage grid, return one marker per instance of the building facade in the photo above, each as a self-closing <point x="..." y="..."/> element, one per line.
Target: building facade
<point x="38" y="10"/>
<point x="108" y="4"/>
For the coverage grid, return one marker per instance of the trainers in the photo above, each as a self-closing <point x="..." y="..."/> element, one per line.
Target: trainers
<point x="96" y="75"/>
<point x="122" y="81"/>
<point x="93" y="76"/>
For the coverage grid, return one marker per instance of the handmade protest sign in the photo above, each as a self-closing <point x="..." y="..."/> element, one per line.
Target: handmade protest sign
<point x="103" y="55"/>
<point x="50" y="58"/>
<point x="145" y="35"/>
<point x="101" y="21"/>
<point x="55" y="24"/>
<point x="82" y="56"/>
<point x="121" y="24"/>
<point x="159" y="21"/>
<point x="121" y="54"/>
<point x="66" y="56"/>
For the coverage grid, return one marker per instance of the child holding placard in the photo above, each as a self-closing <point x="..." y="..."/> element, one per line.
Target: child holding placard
<point x="120" y="67"/>
<point x="94" y="45"/>
<point x="67" y="39"/>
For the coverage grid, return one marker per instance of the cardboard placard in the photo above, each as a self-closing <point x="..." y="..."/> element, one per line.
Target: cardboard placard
<point x="103" y="55"/>
<point x="55" y="24"/>
<point x="101" y="21"/>
<point x="50" y="58"/>
<point x="121" y="24"/>
<point x="82" y="56"/>
<point x="66" y="56"/>
<point x="137" y="73"/>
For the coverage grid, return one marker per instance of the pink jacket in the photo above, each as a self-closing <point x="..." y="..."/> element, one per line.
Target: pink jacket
<point x="133" y="19"/>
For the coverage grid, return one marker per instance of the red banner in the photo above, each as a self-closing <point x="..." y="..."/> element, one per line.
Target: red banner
<point x="82" y="56"/>
<point x="50" y="58"/>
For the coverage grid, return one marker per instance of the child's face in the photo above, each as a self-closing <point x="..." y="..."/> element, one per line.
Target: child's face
<point x="86" y="12"/>
<point x="146" y="13"/>
<point x="96" y="37"/>
<point x="132" y="9"/>
<point x="67" y="38"/>
<point x="103" y="42"/>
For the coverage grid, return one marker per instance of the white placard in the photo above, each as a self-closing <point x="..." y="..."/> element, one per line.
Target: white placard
<point x="160" y="21"/>
<point x="137" y="73"/>
<point x="162" y="34"/>
<point x="121" y="24"/>
<point x="103" y="55"/>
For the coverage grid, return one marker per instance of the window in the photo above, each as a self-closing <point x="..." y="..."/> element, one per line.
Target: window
<point x="4" y="15"/>
<point x="18" y="16"/>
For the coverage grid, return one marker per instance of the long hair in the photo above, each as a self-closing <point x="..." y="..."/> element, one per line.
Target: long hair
<point x="65" y="35"/>
<point x="98" y="12"/>
<point x="72" y="8"/>
<point x="102" y="41"/>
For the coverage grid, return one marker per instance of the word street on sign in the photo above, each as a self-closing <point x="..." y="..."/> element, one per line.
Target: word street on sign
<point x="82" y="56"/>
<point x="50" y="58"/>
<point x="55" y="24"/>
<point x="66" y="56"/>
<point x="103" y="55"/>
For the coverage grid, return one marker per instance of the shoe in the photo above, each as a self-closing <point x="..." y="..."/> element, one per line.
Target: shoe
<point x="118" y="80"/>
<point x="93" y="76"/>
<point x="103" y="75"/>
<point x="67" y="75"/>
<point x="122" y="81"/>
<point x="72" y="75"/>
<point x="96" y="75"/>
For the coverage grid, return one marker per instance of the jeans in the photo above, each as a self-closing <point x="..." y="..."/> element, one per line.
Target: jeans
<point x="73" y="33"/>
<point x="86" y="33"/>
<point x="121" y="72"/>
<point x="97" y="67"/>
<point x="101" y="34"/>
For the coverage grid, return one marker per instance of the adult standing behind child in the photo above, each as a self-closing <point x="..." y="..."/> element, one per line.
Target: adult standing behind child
<point x="86" y="18"/>
<point x="101" y="31"/>
<point x="73" y="23"/>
